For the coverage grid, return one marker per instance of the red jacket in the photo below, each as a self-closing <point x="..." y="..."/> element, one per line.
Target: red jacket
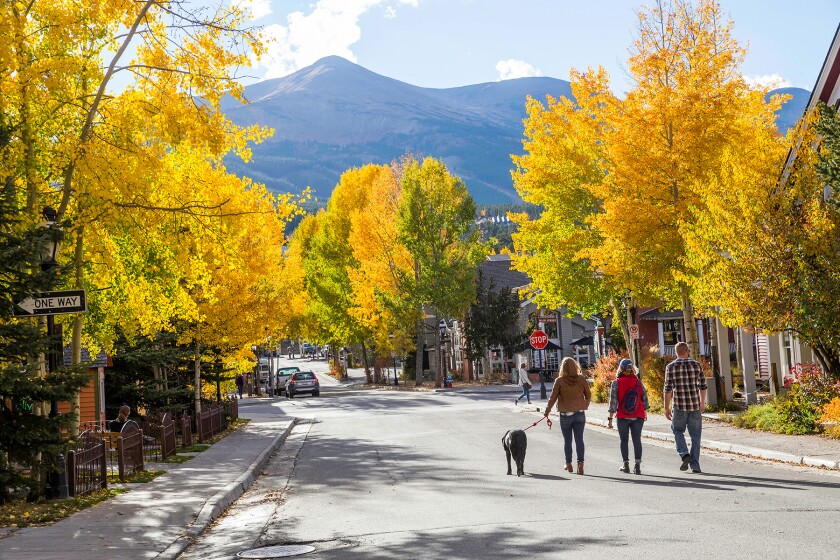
<point x="626" y="383"/>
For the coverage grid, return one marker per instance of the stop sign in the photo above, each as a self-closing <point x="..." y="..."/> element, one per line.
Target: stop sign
<point x="539" y="340"/>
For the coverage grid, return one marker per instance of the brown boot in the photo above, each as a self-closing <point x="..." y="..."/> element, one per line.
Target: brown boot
<point x="580" y="467"/>
<point x="569" y="467"/>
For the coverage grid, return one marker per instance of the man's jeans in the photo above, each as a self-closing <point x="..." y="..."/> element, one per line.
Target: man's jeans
<point x="691" y="419"/>
<point x="572" y="425"/>
<point x="628" y="427"/>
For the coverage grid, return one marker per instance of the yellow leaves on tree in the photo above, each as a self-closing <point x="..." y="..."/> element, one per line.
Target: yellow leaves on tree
<point x="625" y="181"/>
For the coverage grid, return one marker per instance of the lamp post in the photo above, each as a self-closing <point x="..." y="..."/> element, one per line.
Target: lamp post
<point x="48" y="265"/>
<point x="394" y="358"/>
<point x="444" y="338"/>
<point x="58" y="479"/>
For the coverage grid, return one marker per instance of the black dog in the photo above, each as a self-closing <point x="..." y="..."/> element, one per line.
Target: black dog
<point x="515" y="442"/>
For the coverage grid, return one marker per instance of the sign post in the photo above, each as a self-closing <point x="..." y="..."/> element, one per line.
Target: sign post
<point x="539" y="340"/>
<point x="52" y="303"/>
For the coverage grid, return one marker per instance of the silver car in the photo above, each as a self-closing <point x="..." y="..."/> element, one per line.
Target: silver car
<point x="303" y="382"/>
<point x="283" y="375"/>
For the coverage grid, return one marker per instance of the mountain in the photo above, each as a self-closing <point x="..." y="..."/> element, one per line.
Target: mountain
<point x="793" y="109"/>
<point x="335" y="115"/>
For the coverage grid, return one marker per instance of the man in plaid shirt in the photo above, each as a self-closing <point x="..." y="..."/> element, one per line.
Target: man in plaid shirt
<point x="685" y="389"/>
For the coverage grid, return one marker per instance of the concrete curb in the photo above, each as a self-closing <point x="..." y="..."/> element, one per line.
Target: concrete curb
<point x="214" y="507"/>
<point x="733" y="448"/>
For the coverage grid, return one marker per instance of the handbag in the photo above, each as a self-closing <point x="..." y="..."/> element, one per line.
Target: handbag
<point x="526" y="386"/>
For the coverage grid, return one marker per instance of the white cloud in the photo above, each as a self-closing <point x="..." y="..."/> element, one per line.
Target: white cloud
<point x="511" y="68"/>
<point x="258" y="8"/>
<point x="330" y="28"/>
<point x="771" y="81"/>
<point x="390" y="12"/>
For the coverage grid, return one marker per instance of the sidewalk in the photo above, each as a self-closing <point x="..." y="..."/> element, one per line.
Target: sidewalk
<point x="160" y="518"/>
<point x="812" y="451"/>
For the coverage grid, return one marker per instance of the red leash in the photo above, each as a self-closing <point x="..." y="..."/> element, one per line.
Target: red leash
<point x="546" y="418"/>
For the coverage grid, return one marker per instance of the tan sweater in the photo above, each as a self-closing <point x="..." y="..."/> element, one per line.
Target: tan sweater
<point x="570" y="393"/>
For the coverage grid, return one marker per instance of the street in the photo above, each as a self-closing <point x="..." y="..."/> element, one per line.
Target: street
<point x="385" y="474"/>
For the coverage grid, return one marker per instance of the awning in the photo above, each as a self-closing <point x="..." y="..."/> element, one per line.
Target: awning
<point x="658" y="315"/>
<point x="585" y="341"/>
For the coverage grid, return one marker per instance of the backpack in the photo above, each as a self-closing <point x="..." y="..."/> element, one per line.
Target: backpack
<point x="632" y="400"/>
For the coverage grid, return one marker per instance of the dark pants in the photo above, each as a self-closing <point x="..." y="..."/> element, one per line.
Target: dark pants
<point x="630" y="427"/>
<point x="572" y="425"/>
<point x="239" y="387"/>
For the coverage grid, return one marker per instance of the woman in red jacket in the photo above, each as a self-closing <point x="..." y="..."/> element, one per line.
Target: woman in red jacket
<point x="628" y="401"/>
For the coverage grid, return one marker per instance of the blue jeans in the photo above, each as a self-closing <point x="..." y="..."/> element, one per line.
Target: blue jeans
<point x="525" y="393"/>
<point x="573" y="426"/>
<point x="630" y="427"/>
<point x="691" y="419"/>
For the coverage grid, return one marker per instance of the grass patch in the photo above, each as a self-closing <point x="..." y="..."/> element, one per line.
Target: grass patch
<point x="232" y="427"/>
<point x="194" y="448"/>
<point x="178" y="459"/>
<point x="140" y="477"/>
<point x="20" y="513"/>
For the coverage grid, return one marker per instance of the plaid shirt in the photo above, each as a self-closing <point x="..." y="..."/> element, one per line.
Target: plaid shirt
<point x="684" y="378"/>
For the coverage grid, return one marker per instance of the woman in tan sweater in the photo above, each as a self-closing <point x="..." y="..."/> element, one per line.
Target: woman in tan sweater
<point x="572" y="395"/>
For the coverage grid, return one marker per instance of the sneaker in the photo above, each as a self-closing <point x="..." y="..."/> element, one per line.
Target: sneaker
<point x="696" y="471"/>
<point x="686" y="459"/>
<point x="625" y="468"/>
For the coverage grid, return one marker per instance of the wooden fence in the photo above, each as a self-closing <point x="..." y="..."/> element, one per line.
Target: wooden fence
<point x="159" y="436"/>
<point x="130" y="450"/>
<point x="210" y="421"/>
<point x="185" y="424"/>
<point x="87" y="465"/>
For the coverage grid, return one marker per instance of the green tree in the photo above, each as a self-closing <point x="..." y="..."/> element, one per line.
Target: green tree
<point x="492" y="321"/>
<point x="435" y="219"/>
<point x="29" y="437"/>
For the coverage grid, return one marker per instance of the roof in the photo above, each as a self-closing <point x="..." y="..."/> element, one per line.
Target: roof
<point x="498" y="270"/>
<point x="827" y="90"/>
<point x="584" y="341"/>
<point x="99" y="360"/>
<point x="661" y="315"/>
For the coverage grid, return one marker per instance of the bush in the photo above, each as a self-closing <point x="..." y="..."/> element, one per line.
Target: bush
<point x="603" y="374"/>
<point x="812" y="399"/>
<point x="653" y="377"/>
<point x="831" y="417"/>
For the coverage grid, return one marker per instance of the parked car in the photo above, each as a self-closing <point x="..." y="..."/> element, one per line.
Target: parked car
<point x="283" y="375"/>
<point x="309" y="350"/>
<point x="264" y="373"/>
<point x="303" y="382"/>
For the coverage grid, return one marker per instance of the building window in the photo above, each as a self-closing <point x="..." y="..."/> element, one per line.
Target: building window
<point x="672" y="331"/>
<point x="787" y="351"/>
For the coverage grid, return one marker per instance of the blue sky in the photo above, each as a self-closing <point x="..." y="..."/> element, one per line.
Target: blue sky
<point x="449" y="43"/>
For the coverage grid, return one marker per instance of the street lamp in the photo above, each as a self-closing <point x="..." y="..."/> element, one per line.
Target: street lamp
<point x="394" y="357"/>
<point x="49" y="251"/>
<point x="443" y="340"/>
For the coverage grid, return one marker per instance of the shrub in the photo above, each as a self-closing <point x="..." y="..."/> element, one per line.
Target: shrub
<point x="763" y="417"/>
<point x="653" y="376"/>
<point x="831" y="416"/>
<point x="818" y="388"/>
<point x="603" y="374"/>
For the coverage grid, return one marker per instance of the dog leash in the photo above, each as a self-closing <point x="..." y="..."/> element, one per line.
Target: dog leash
<point x="546" y="418"/>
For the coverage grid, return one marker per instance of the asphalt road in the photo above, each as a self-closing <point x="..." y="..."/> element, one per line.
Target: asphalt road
<point x="387" y="475"/>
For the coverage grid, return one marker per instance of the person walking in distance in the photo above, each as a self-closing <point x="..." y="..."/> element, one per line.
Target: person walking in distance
<point x="572" y="395"/>
<point x="628" y="402"/>
<point x="240" y="384"/>
<point x="685" y="391"/>
<point x="525" y="382"/>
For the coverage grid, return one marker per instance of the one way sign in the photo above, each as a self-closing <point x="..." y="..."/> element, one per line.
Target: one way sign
<point x="53" y="303"/>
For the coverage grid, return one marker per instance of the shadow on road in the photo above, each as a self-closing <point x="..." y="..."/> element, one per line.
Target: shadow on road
<point x="725" y="482"/>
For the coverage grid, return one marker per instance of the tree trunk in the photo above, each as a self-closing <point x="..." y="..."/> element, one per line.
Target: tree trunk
<point x="418" y="359"/>
<point x="197" y="380"/>
<point x="368" y="376"/>
<point x="690" y="323"/>
<point x="438" y="355"/>
<point x="78" y="322"/>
